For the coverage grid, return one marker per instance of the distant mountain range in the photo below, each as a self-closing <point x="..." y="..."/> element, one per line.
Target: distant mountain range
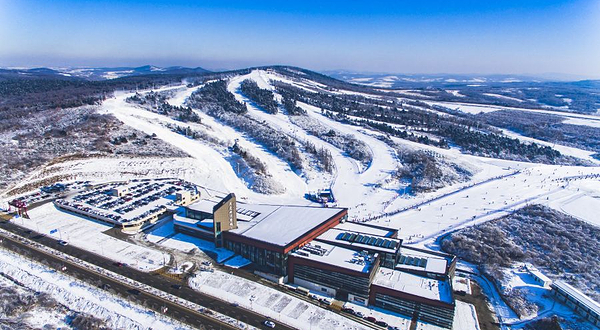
<point x="388" y="80"/>
<point x="381" y="80"/>
<point x="100" y="73"/>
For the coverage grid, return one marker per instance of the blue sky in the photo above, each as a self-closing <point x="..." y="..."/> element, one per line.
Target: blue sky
<point x="520" y="37"/>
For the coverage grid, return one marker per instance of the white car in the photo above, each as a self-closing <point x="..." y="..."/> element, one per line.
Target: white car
<point x="269" y="324"/>
<point x="63" y="243"/>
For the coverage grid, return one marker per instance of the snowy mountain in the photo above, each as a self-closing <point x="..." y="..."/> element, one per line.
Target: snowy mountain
<point x="391" y="80"/>
<point x="101" y="73"/>
<point x="425" y="161"/>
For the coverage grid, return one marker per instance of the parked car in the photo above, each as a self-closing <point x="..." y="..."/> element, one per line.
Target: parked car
<point x="381" y="323"/>
<point x="348" y="310"/>
<point x="359" y="314"/>
<point x="370" y="319"/>
<point x="269" y="324"/>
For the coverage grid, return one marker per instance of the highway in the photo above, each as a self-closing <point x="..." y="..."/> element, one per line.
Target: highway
<point x="157" y="281"/>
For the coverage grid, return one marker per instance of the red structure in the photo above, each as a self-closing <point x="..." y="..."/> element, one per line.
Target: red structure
<point x="21" y="207"/>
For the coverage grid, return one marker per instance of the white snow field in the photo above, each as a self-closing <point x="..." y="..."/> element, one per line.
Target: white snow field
<point x="474" y="108"/>
<point x="518" y="278"/>
<point x="568" y="118"/>
<point x="36" y="317"/>
<point x="583" y="202"/>
<point x="367" y="192"/>
<point x="565" y="150"/>
<point x="81" y="297"/>
<point x="88" y="234"/>
<point x="490" y="200"/>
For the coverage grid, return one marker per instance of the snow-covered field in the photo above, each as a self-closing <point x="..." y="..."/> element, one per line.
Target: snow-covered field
<point x="80" y="297"/>
<point x="535" y="184"/>
<point x="503" y="97"/>
<point x="212" y="169"/>
<point x="473" y="108"/>
<point x="36" y="316"/>
<point x="88" y="234"/>
<point x="583" y="202"/>
<point x="565" y="150"/>
<point x="367" y="191"/>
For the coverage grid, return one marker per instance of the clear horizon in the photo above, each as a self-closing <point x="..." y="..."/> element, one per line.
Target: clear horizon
<point x="465" y="37"/>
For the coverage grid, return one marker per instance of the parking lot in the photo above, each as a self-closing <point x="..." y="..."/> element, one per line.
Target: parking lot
<point x="130" y="203"/>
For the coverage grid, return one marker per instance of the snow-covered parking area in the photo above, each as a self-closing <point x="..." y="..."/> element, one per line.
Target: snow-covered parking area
<point x="89" y="235"/>
<point x="272" y="303"/>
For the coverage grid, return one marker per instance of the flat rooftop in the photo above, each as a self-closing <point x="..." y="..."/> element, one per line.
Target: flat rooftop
<point x="336" y="256"/>
<point x="421" y="261"/>
<point x="360" y="240"/>
<point x="366" y="229"/>
<point x="276" y="224"/>
<point x="578" y="295"/>
<point x="416" y="285"/>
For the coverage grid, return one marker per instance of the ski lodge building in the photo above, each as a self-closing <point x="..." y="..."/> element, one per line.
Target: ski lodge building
<point x="317" y="249"/>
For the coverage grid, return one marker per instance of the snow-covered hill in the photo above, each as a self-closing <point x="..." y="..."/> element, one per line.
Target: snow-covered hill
<point x="401" y="149"/>
<point x="370" y="192"/>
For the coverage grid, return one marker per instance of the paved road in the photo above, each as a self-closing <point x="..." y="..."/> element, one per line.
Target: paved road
<point x="156" y="281"/>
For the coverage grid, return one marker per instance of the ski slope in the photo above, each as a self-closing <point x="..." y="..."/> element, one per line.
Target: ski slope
<point x="351" y="183"/>
<point x="540" y="184"/>
<point x="212" y="168"/>
<point x="367" y="192"/>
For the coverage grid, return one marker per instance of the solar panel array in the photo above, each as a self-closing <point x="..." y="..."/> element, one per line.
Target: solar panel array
<point x="367" y="240"/>
<point x="249" y="213"/>
<point x="412" y="261"/>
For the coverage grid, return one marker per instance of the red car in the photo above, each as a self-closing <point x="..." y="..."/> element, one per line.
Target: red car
<point x="370" y="319"/>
